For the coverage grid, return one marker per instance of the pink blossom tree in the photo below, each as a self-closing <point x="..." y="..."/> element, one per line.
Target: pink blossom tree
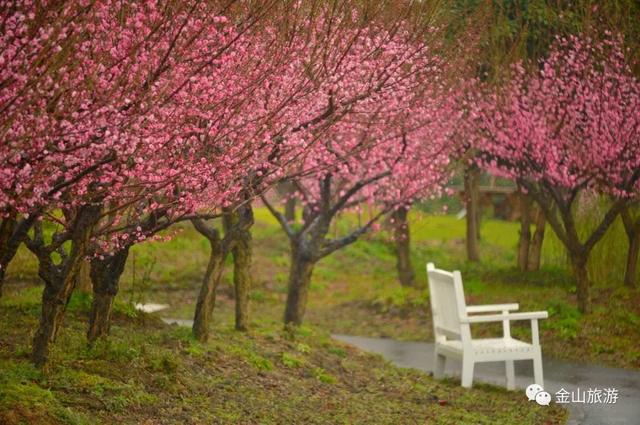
<point x="341" y="64"/>
<point x="387" y="150"/>
<point x="570" y="127"/>
<point x="103" y="123"/>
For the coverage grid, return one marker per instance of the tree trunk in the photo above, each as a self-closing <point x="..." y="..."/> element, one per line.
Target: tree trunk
<point x="535" y="249"/>
<point x="299" y="280"/>
<point x="7" y="227"/>
<point x="105" y="275"/>
<point x="525" y="231"/>
<point x="55" y="297"/>
<point x="403" y="251"/>
<point x="207" y="297"/>
<point x="242" y="281"/>
<point x="471" y="181"/>
<point x="630" y="271"/>
<point x="290" y="209"/>
<point x="84" y="277"/>
<point x="558" y="213"/>
<point x="59" y="283"/>
<point x="579" y="265"/>
<point x="238" y="229"/>
<point x="12" y="234"/>
<point x="632" y="229"/>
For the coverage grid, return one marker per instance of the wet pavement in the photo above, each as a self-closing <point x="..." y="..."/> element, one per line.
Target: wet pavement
<point x="557" y="375"/>
<point x="187" y="323"/>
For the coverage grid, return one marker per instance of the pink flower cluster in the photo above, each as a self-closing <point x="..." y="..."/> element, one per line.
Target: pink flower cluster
<point x="167" y="109"/>
<point x="572" y="124"/>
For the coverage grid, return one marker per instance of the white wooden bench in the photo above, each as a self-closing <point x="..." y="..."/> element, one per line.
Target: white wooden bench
<point x="452" y="320"/>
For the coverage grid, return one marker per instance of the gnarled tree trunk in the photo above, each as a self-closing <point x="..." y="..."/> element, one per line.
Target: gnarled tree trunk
<point x="309" y="243"/>
<point x="238" y="229"/>
<point x="631" y="268"/>
<point x="579" y="265"/>
<point x="84" y="283"/>
<point x="242" y="281"/>
<point x="300" y="272"/>
<point x="558" y="212"/>
<point x="406" y="274"/>
<point x="7" y="227"/>
<point x="535" y="248"/>
<point x="12" y="233"/>
<point x="307" y="248"/>
<point x="472" y="203"/>
<point x="105" y="276"/>
<point x="56" y="295"/>
<point x="207" y="296"/>
<point x="60" y="281"/>
<point x="525" y="232"/>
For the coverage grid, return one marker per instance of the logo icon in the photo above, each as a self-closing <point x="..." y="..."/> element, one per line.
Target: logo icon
<point x="543" y="398"/>
<point x="537" y="393"/>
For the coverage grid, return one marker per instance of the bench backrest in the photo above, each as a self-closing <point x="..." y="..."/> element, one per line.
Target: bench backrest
<point x="447" y="303"/>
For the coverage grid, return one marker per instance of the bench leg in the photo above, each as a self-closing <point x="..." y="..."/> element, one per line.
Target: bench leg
<point x="467" y="371"/>
<point x="511" y="375"/>
<point x="537" y="370"/>
<point x="438" y="368"/>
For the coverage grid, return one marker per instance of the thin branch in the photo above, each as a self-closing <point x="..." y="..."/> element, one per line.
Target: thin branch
<point x="281" y="218"/>
<point x="354" y="189"/>
<point x="335" y="244"/>
<point x="109" y="158"/>
<point x="608" y="218"/>
<point x="547" y="206"/>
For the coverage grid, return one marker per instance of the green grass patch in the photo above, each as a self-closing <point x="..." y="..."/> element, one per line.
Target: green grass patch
<point x="151" y="373"/>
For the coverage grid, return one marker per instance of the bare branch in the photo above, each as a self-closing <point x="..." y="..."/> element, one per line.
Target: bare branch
<point x="549" y="209"/>
<point x="208" y="231"/>
<point x="354" y="189"/>
<point x="335" y="244"/>
<point x="278" y="215"/>
<point x="608" y="218"/>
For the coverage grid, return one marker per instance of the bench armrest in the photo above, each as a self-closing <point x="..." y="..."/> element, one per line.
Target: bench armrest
<point x="501" y="317"/>
<point x="491" y="308"/>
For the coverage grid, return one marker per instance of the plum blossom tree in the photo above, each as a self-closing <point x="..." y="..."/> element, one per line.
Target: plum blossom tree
<point x="75" y="105"/>
<point x="232" y="127"/>
<point x="299" y="103"/>
<point x="569" y="128"/>
<point x="389" y="149"/>
<point x="234" y="137"/>
<point x="103" y="127"/>
<point x="337" y="65"/>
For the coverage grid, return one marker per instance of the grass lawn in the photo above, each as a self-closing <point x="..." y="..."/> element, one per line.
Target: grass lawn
<point x="355" y="291"/>
<point x="151" y="373"/>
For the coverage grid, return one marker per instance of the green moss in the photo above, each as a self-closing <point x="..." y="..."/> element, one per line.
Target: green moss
<point x="291" y="361"/>
<point x="24" y="398"/>
<point x="322" y="376"/>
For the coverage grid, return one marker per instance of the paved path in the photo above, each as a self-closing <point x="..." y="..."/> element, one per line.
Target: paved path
<point x="557" y="374"/>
